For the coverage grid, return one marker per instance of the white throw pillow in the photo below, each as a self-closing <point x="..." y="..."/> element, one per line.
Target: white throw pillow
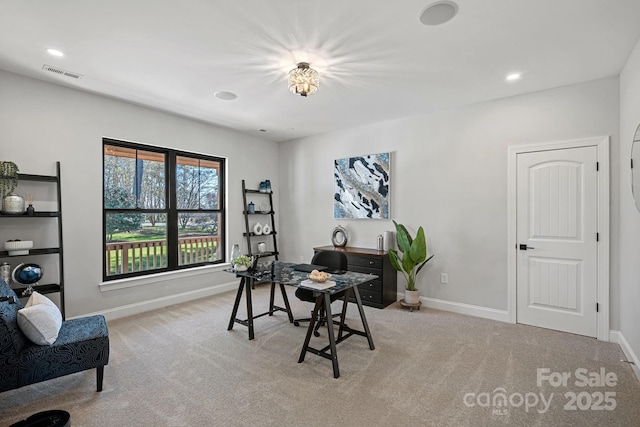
<point x="40" y="319"/>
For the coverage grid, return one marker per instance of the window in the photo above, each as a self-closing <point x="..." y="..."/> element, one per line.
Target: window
<point x="163" y="209"/>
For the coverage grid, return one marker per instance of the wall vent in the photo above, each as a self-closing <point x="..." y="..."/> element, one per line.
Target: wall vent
<point x="61" y="71"/>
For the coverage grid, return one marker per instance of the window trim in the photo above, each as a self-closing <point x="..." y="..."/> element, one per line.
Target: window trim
<point x="171" y="210"/>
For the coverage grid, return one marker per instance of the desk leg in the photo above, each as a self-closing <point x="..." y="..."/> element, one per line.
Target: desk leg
<point x="236" y="304"/>
<point x="271" y="298"/>
<point x="332" y="338"/>
<point x="343" y="315"/>
<point x="250" y="308"/>
<point x="312" y="323"/>
<point x="363" y="317"/>
<point x="286" y="303"/>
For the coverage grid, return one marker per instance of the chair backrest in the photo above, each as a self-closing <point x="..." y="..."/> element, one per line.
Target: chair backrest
<point x="330" y="259"/>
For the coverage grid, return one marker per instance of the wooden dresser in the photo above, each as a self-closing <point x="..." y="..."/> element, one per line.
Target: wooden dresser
<point x="377" y="293"/>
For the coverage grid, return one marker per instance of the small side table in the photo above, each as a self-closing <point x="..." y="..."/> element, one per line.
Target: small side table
<point x="410" y="305"/>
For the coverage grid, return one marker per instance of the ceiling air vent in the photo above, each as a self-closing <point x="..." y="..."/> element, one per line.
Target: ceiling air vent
<point x="61" y="71"/>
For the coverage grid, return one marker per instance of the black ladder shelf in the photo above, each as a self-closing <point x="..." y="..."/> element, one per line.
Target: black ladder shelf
<point x="249" y="234"/>
<point x="258" y="213"/>
<point x="58" y="284"/>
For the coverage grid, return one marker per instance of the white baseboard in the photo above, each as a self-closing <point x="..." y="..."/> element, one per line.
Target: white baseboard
<point x="140" y="307"/>
<point x="462" y="308"/>
<point x="618" y="338"/>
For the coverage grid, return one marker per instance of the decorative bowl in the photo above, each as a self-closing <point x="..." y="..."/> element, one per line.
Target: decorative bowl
<point x="18" y="247"/>
<point x="319" y="278"/>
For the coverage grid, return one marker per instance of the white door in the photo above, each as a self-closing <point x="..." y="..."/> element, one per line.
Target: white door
<point x="557" y="250"/>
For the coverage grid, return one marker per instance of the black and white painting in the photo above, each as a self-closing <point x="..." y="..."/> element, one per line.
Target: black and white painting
<point x="361" y="187"/>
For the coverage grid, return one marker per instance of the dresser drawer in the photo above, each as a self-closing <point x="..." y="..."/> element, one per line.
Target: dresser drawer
<point x="366" y="270"/>
<point x="364" y="261"/>
<point x="368" y="297"/>
<point x="375" y="286"/>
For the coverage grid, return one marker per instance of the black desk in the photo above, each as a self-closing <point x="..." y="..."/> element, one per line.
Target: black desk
<point x="282" y="274"/>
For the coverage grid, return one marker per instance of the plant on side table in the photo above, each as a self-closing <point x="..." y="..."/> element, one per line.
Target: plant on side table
<point x="242" y="262"/>
<point x="410" y="261"/>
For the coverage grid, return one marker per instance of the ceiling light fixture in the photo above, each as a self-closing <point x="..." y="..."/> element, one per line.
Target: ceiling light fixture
<point x="513" y="77"/>
<point x="303" y="80"/>
<point x="54" y="52"/>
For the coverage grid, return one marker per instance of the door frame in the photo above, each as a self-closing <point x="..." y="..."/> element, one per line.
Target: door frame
<point x="602" y="145"/>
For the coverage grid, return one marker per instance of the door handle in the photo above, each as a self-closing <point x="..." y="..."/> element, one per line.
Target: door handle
<point x="525" y="247"/>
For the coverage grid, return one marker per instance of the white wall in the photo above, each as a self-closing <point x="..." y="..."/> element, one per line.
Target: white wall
<point x="448" y="169"/>
<point x="449" y="172"/>
<point x="629" y="249"/>
<point x="41" y="123"/>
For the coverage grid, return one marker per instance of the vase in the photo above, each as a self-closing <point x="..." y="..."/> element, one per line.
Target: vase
<point x="5" y="272"/>
<point x="257" y="229"/>
<point x="30" y="210"/>
<point x="411" y="297"/>
<point x="13" y="204"/>
<point x="389" y="239"/>
<point x="235" y="252"/>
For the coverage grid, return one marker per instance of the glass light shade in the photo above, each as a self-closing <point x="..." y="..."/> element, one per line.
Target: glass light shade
<point x="303" y="80"/>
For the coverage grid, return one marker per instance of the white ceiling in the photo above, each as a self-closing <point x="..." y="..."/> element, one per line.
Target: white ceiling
<point x="376" y="60"/>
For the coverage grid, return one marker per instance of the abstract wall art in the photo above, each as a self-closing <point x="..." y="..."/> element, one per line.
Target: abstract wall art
<point x="361" y="187"/>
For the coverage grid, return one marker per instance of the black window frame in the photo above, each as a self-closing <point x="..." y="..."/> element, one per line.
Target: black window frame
<point x="171" y="210"/>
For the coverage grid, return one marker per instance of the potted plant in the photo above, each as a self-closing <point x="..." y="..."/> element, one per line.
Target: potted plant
<point x="8" y="183"/>
<point x="8" y="178"/>
<point x="411" y="260"/>
<point x="242" y="262"/>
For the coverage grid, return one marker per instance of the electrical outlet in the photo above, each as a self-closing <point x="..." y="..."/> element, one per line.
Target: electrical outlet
<point x="444" y="278"/>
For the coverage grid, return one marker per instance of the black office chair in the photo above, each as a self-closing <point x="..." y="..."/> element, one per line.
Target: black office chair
<point x="333" y="261"/>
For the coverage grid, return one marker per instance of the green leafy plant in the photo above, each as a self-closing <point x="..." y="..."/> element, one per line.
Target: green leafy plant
<point x="413" y="254"/>
<point x="8" y="178"/>
<point x="242" y="260"/>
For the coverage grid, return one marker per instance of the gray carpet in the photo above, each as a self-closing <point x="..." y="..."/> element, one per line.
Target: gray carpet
<point x="179" y="366"/>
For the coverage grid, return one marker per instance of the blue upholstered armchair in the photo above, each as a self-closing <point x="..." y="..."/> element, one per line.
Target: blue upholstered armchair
<point x="81" y="344"/>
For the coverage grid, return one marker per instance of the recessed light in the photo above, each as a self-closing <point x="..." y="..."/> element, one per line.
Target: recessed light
<point x="438" y="13"/>
<point x="225" y="96"/>
<point x="513" y="77"/>
<point x="262" y="130"/>
<point x="54" y="52"/>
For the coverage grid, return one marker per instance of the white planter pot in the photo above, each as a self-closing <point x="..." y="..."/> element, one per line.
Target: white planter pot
<point x="411" y="297"/>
